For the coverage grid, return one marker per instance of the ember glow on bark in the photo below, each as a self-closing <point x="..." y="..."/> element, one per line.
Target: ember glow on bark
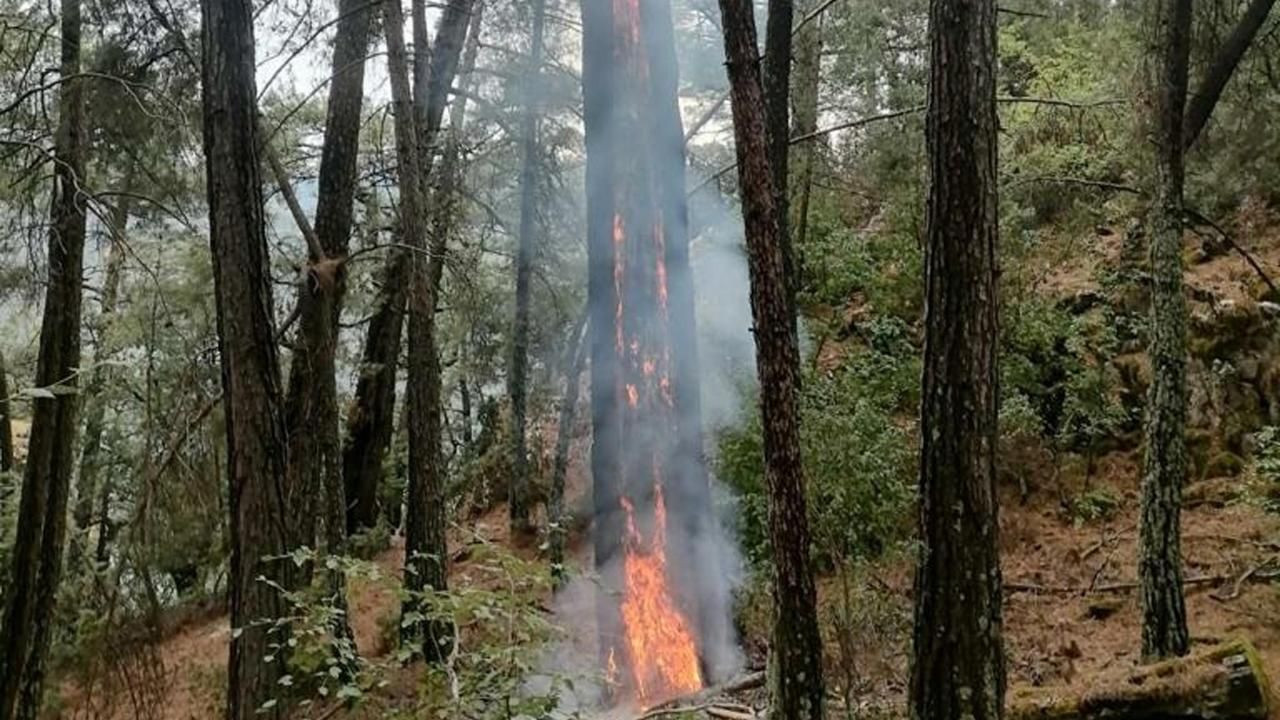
<point x="661" y="605"/>
<point x="662" y="653"/>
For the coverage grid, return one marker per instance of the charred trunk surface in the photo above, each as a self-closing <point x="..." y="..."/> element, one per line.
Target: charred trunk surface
<point x="1164" y="614"/>
<point x="958" y="665"/>
<point x="36" y="568"/>
<point x="646" y="451"/>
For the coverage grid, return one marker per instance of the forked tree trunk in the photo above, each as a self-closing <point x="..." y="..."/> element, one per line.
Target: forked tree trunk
<point x="425" y="551"/>
<point x="958" y="667"/>
<point x="796" y="654"/>
<point x="517" y="378"/>
<point x="370" y="423"/>
<point x="311" y="401"/>
<point x="36" y="568"/>
<point x="257" y="442"/>
<point x="1164" y="615"/>
<point x="94" y="405"/>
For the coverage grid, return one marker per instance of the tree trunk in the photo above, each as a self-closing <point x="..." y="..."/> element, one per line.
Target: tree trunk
<point x="425" y="550"/>
<point x="7" y="460"/>
<point x="444" y="210"/>
<point x="257" y="442"/>
<point x="517" y="379"/>
<point x="1164" y="615"/>
<point x="1222" y="68"/>
<point x="776" y="80"/>
<point x="99" y="377"/>
<point x="807" y="76"/>
<point x="556" y="530"/>
<point x="370" y="422"/>
<point x="32" y="591"/>
<point x="1225" y="682"/>
<point x="796" y="653"/>
<point x="958" y="667"/>
<point x="646" y="453"/>
<point x="311" y="401"/>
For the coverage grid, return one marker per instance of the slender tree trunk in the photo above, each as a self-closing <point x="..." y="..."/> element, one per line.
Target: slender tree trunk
<point x="371" y="419"/>
<point x="957" y="667"/>
<point x="256" y="437"/>
<point x="311" y="401"/>
<point x="1224" y="64"/>
<point x="1164" y="615"/>
<point x="425" y="551"/>
<point x="796" y="653"/>
<point x="99" y="377"/>
<point x="517" y="378"/>
<point x="42" y="513"/>
<point x="7" y="460"/>
<point x="556" y="530"/>
<point x="806" y="76"/>
<point x="444" y="210"/>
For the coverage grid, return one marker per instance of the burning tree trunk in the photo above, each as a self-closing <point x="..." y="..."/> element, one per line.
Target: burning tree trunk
<point x="797" y="646"/>
<point x="518" y="491"/>
<point x="257" y="445"/>
<point x="32" y="590"/>
<point x="1164" y="614"/>
<point x="646" y="454"/>
<point x="957" y="667"/>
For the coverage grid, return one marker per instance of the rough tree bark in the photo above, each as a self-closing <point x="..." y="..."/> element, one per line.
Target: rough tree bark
<point x="776" y="79"/>
<point x="371" y="420"/>
<point x="517" y="378"/>
<point x="257" y="443"/>
<point x="7" y="460"/>
<point x="1164" y="615"/>
<point x="425" y="551"/>
<point x="958" y="667"/>
<point x="94" y="407"/>
<point x="1224" y="64"/>
<point x="796" y="653"/>
<point x="806" y="77"/>
<point x="311" y="400"/>
<point x="36" y="569"/>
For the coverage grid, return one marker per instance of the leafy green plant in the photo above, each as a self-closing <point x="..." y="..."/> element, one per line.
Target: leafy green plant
<point x="859" y="465"/>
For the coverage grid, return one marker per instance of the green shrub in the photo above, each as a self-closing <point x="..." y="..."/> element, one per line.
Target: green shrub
<point x="859" y="464"/>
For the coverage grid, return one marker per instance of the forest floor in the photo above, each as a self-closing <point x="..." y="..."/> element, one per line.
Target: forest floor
<point x="1069" y="550"/>
<point x="1070" y="608"/>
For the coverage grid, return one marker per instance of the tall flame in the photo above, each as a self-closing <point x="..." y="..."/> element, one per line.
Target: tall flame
<point x="656" y="654"/>
<point x="659" y="639"/>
